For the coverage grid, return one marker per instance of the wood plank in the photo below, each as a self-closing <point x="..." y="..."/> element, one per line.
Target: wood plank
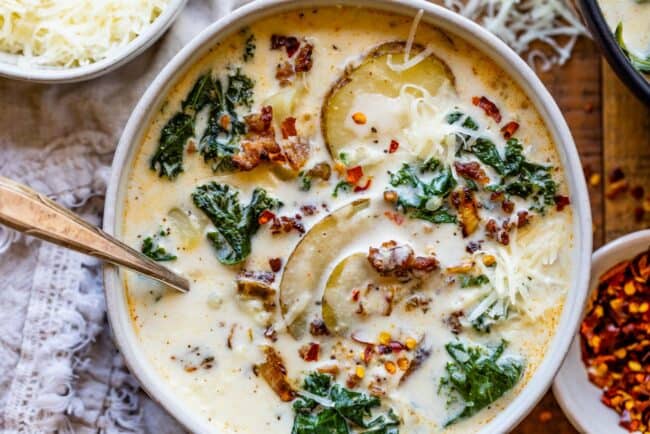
<point x="576" y="88"/>
<point x="626" y="127"/>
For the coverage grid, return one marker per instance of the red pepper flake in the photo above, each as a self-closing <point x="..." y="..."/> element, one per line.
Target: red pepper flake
<point x="393" y="147"/>
<point x="265" y="217"/>
<point x="396" y="218"/>
<point x="368" y="351"/>
<point x="354" y="174"/>
<point x="275" y="264"/>
<point x="309" y="352"/>
<point x="488" y="107"/>
<point x="288" y="128"/>
<point x="509" y="129"/>
<point x="359" y="188"/>
<point x="355" y="295"/>
<point x="561" y="202"/>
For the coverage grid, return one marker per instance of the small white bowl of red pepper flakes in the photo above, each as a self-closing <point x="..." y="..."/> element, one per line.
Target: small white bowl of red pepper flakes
<point x="604" y="383"/>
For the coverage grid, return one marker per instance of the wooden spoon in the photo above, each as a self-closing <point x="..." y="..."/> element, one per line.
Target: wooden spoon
<point x="25" y="210"/>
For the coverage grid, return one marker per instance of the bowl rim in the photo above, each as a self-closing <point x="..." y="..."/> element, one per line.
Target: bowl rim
<point x="574" y="405"/>
<point x="605" y="39"/>
<point x="119" y="319"/>
<point x="54" y="75"/>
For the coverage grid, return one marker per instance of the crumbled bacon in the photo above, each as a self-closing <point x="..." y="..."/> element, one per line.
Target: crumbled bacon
<point x="284" y="73"/>
<point x="309" y="352"/>
<point x="509" y="129"/>
<point x="265" y="217"/>
<point x="309" y="210"/>
<point x="464" y="201"/>
<point x="399" y="261"/>
<point x="275" y="264"/>
<point x="259" y="143"/>
<point x="287" y="224"/>
<point x="488" y="107"/>
<point x="304" y="60"/>
<point x="260" y="123"/>
<point x="256" y="285"/>
<point x="523" y="218"/>
<point x="453" y="321"/>
<point x="288" y="128"/>
<point x="318" y="328"/>
<point x="296" y="149"/>
<point x="472" y="170"/>
<point x="561" y="202"/>
<point x="273" y="371"/>
<point x="395" y="217"/>
<point x="508" y="206"/>
<point x="290" y="43"/>
<point x="394" y="145"/>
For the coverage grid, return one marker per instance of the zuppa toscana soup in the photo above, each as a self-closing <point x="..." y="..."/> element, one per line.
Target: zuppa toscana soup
<point x="375" y="222"/>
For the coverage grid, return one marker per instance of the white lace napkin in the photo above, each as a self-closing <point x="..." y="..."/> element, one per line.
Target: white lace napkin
<point x="59" y="370"/>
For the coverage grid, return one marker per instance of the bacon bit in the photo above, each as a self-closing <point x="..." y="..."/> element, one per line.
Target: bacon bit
<point x="399" y="261"/>
<point x="393" y="147"/>
<point x="309" y="352"/>
<point x="508" y="206"/>
<point x="286" y="224"/>
<point x="453" y="321"/>
<point x="464" y="201"/>
<point x="259" y="122"/>
<point x="224" y="122"/>
<point x="473" y="246"/>
<point x="395" y="217"/>
<point x="284" y="72"/>
<point x="488" y="107"/>
<point x="615" y="340"/>
<point x="359" y="188"/>
<point x="275" y="264"/>
<point x="318" y="328"/>
<point x="297" y="152"/>
<point x="503" y="237"/>
<point x="491" y="228"/>
<point x="274" y="373"/>
<point x="359" y="118"/>
<point x="290" y="43"/>
<point x="368" y="351"/>
<point x="288" y="128"/>
<point x="321" y="170"/>
<point x="472" y="170"/>
<point x="304" y="60"/>
<point x="523" y="218"/>
<point x="308" y="210"/>
<point x="265" y="217"/>
<point x="354" y="174"/>
<point x="259" y="143"/>
<point x="509" y="129"/>
<point x="561" y="202"/>
<point x="355" y="295"/>
<point x="352" y="381"/>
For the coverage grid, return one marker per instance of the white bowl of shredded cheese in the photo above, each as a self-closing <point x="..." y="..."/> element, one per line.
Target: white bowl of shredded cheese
<point x="63" y="41"/>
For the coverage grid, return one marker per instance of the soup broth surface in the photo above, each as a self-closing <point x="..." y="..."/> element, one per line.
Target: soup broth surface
<point x="441" y="235"/>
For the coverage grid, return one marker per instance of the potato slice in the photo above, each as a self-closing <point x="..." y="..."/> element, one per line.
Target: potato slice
<point x="373" y="76"/>
<point x="354" y="273"/>
<point x="301" y="286"/>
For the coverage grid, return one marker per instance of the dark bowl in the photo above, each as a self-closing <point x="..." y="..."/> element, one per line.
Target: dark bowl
<point x="604" y="37"/>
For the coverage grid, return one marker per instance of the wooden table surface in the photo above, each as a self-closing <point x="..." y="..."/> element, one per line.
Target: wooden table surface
<point x="611" y="129"/>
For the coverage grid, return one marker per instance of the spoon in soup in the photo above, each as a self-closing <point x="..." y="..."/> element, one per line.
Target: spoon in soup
<point x="30" y="212"/>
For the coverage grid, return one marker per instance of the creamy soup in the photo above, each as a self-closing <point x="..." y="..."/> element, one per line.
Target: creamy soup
<point x="630" y="20"/>
<point x="374" y="220"/>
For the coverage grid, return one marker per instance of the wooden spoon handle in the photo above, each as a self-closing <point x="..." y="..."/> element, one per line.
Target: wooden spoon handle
<point x="27" y="211"/>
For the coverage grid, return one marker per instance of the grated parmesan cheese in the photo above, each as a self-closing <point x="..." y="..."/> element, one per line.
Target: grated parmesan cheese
<point x="71" y="33"/>
<point x="543" y="30"/>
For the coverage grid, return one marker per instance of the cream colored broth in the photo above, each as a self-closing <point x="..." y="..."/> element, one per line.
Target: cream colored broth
<point x="181" y="330"/>
<point x="635" y="17"/>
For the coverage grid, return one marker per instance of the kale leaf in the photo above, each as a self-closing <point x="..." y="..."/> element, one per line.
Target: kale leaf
<point x="151" y="248"/>
<point x="168" y="159"/>
<point x="328" y="407"/>
<point x="468" y="281"/>
<point x="235" y="224"/>
<point x="219" y="142"/>
<point x="220" y="139"/>
<point x="249" y="48"/>
<point x="639" y="63"/>
<point x="478" y="375"/>
<point x="424" y="199"/>
<point x="468" y="123"/>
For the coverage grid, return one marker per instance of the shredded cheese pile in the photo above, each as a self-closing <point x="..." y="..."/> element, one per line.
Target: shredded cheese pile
<point x="71" y="33"/>
<point x="551" y="23"/>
